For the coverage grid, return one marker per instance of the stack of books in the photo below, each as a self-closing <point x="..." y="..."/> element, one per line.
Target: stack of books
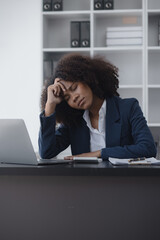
<point x="122" y="36"/>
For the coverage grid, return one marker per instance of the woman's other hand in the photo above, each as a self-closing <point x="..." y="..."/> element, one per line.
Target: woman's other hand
<point x="89" y="154"/>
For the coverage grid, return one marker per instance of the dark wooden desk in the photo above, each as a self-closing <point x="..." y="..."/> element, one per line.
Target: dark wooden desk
<point x="79" y="202"/>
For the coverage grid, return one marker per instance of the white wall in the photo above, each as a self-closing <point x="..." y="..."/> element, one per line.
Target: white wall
<point x="20" y="62"/>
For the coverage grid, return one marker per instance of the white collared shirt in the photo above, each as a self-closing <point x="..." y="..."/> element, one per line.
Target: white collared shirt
<point x="97" y="136"/>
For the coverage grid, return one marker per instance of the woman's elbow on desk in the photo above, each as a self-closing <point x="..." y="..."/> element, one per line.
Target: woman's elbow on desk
<point x="152" y="152"/>
<point x="46" y="153"/>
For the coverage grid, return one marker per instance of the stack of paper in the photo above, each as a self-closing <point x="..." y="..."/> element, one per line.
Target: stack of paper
<point x="120" y="36"/>
<point x="146" y="161"/>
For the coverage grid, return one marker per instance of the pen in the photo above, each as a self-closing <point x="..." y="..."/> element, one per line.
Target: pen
<point x="136" y="159"/>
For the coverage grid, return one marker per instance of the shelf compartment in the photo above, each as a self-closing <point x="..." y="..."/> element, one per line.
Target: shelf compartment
<point x="154" y="67"/>
<point x="153" y="4"/>
<point x="155" y="130"/>
<point x="153" y="19"/>
<point x="50" y="60"/>
<point x="153" y="105"/>
<point x="54" y="26"/>
<point x="101" y="22"/>
<point x="132" y="93"/>
<point x="130" y="69"/>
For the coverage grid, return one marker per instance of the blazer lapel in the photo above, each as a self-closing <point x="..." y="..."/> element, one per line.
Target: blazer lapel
<point x="113" y="125"/>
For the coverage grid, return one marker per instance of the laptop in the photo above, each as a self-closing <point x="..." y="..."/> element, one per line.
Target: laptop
<point x="16" y="146"/>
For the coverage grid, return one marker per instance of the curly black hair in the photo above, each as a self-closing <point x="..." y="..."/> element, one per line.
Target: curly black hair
<point x="99" y="74"/>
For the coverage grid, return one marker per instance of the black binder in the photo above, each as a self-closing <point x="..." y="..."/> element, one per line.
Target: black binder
<point x="108" y="4"/>
<point x="57" y="5"/>
<point x="47" y="5"/>
<point x="98" y="4"/>
<point x="75" y="34"/>
<point x="85" y="34"/>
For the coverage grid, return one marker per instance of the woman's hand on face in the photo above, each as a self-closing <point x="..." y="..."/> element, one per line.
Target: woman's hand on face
<point x="54" y="92"/>
<point x="54" y="96"/>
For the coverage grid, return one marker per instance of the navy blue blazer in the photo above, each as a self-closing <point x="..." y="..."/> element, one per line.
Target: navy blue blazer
<point x="127" y="133"/>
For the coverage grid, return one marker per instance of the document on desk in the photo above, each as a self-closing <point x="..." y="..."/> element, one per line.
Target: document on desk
<point x="134" y="161"/>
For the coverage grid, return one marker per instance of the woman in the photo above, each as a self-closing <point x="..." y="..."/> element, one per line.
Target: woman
<point x="93" y="119"/>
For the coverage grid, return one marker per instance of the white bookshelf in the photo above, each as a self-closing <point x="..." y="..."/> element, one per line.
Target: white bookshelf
<point x="152" y="16"/>
<point x="139" y="66"/>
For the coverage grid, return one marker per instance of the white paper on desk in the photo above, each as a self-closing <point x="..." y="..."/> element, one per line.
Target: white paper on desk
<point x="147" y="161"/>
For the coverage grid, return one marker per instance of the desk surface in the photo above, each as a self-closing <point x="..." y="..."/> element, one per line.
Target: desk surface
<point x="80" y="201"/>
<point x="78" y="169"/>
